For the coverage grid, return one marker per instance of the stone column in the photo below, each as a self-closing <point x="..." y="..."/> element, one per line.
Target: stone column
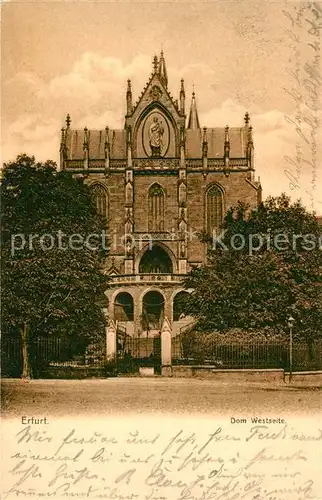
<point x="166" y="354"/>
<point x="137" y="313"/>
<point x="111" y="341"/>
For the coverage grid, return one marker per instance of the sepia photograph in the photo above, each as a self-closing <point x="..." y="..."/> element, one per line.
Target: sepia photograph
<point x="161" y="249"/>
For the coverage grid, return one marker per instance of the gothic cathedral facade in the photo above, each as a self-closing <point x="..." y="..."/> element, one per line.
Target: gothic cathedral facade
<point x="159" y="181"/>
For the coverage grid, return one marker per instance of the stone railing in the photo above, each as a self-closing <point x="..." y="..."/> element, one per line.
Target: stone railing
<point x="146" y="278"/>
<point x="153" y="236"/>
<point x="158" y="164"/>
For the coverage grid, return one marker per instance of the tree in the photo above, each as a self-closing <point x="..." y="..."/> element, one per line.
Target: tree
<point x="265" y="265"/>
<point x="52" y="278"/>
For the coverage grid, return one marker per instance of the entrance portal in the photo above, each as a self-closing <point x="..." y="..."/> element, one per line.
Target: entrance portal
<point x="156" y="261"/>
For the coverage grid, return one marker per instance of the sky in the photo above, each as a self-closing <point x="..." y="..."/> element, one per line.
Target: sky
<point x="62" y="57"/>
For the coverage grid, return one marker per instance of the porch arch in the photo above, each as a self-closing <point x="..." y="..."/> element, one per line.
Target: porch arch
<point x="123" y="307"/>
<point x="153" y="306"/>
<point x="167" y="252"/>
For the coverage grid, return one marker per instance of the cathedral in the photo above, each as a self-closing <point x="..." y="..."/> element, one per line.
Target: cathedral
<point x="159" y="181"/>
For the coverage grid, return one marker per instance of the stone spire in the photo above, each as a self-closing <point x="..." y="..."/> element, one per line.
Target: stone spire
<point x="62" y="140"/>
<point x="68" y="121"/>
<point x="62" y="149"/>
<point x="193" y="116"/>
<point x="250" y="147"/>
<point x="107" y="150"/>
<point x="129" y="98"/>
<point x="227" y="141"/>
<point x="182" y="98"/>
<point x="163" y="70"/>
<point x="226" y="146"/>
<point x="85" y="148"/>
<point x="155" y="64"/>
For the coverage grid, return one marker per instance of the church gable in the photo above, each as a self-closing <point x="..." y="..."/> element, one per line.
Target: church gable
<point x="155" y="93"/>
<point x="157" y="128"/>
<point x="155" y="119"/>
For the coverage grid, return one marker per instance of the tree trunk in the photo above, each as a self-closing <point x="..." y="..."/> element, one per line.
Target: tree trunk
<point x="26" y="371"/>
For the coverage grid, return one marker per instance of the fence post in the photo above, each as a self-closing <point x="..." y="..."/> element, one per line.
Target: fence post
<point x="166" y="353"/>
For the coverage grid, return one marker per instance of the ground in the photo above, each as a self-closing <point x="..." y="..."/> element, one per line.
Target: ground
<point x="103" y="397"/>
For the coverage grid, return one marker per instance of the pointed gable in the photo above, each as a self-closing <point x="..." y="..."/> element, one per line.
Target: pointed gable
<point x="155" y="92"/>
<point x="156" y="104"/>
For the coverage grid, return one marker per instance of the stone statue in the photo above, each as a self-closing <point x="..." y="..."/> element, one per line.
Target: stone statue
<point x="156" y="131"/>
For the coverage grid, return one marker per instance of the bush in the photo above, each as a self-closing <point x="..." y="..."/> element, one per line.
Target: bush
<point x="110" y="369"/>
<point x="200" y="345"/>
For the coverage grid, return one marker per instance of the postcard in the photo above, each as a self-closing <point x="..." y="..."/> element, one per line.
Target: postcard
<point x="161" y="250"/>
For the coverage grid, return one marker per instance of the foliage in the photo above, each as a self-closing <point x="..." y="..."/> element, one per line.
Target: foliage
<point x="50" y="288"/>
<point x="257" y="279"/>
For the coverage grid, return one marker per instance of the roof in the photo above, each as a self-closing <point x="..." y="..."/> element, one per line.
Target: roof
<point x="216" y="141"/>
<point x="194" y="139"/>
<point x="96" y="144"/>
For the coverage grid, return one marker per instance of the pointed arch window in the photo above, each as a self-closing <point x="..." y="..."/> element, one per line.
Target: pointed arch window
<point x="156" y="208"/>
<point x="100" y="197"/>
<point x="214" y="208"/>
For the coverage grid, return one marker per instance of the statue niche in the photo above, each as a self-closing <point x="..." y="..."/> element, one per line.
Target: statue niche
<point x="154" y="137"/>
<point x="156" y="131"/>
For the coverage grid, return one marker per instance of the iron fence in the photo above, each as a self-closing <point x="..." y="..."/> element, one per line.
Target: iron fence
<point x="59" y="354"/>
<point x="49" y="355"/>
<point x="49" y="352"/>
<point x="256" y="355"/>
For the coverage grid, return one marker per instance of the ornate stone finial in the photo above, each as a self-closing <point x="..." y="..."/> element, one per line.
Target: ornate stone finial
<point x="129" y="98"/>
<point x="250" y="135"/>
<point x="85" y="138"/>
<point x="226" y="134"/>
<point x="63" y="141"/>
<point x="250" y="146"/>
<point x="204" y="138"/>
<point x="226" y="148"/>
<point x="155" y="64"/>
<point x="68" y="120"/>
<point x="106" y="138"/>
<point x="182" y="98"/>
<point x="163" y="75"/>
<point x="107" y="151"/>
<point x="246" y="118"/>
<point x="204" y="146"/>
